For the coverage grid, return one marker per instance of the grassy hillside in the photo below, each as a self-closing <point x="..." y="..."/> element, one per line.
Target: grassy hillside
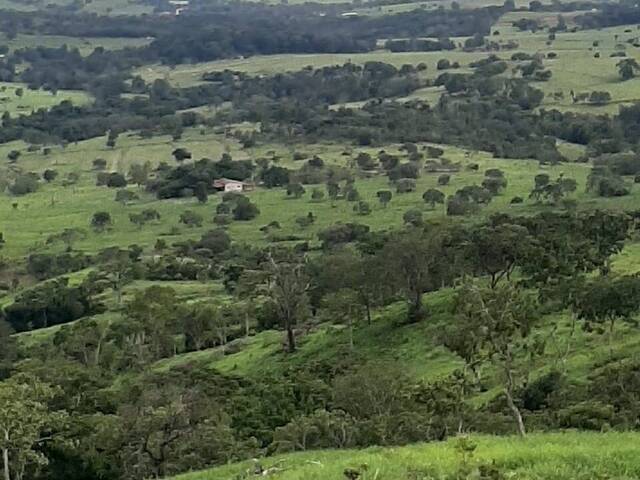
<point x="26" y="101"/>
<point x="559" y="456"/>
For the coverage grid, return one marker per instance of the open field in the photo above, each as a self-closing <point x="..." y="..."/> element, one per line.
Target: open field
<point x="574" y="68"/>
<point x="32" y="100"/>
<point x="186" y="75"/>
<point x="54" y="207"/>
<point x="561" y="456"/>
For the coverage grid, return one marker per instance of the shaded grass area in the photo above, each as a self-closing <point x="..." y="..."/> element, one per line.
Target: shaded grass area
<point x="556" y="456"/>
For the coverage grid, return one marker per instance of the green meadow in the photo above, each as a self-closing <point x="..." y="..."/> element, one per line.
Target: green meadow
<point x="28" y="221"/>
<point x="561" y="456"/>
<point x="17" y="99"/>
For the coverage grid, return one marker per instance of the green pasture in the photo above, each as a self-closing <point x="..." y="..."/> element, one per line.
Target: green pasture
<point x="32" y="100"/>
<point x="27" y="221"/>
<point x="556" y="456"/>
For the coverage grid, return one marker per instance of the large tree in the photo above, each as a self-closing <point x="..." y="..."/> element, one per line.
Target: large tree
<point x="498" y="325"/>
<point x="287" y="288"/>
<point x="26" y="423"/>
<point x="416" y="262"/>
<point x="7" y="349"/>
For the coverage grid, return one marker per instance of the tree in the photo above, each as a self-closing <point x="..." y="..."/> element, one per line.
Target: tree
<point x="499" y="322"/>
<point x="101" y="221"/>
<point x="152" y="317"/>
<point x="552" y="191"/>
<point x="384" y="197"/>
<point x="365" y="161"/>
<point x="444" y="179"/>
<point x="124" y="196"/>
<point x="49" y="175"/>
<point x="317" y="195"/>
<point x="494" y="184"/>
<point x="116" y="180"/>
<point x="362" y="208"/>
<point x="24" y="184"/>
<point x="347" y="270"/>
<point x="344" y="306"/>
<point x="68" y="236"/>
<point x="333" y="190"/>
<point x="24" y="418"/>
<point x="201" y="192"/>
<point x="413" y="217"/>
<point x="351" y="193"/>
<point x="191" y="218"/>
<point x="99" y="164"/>
<point x="8" y="349"/>
<point x="139" y="172"/>
<point x="181" y="154"/>
<point x="607" y="300"/>
<point x="405" y="185"/>
<point x="627" y="68"/>
<point x="245" y="209"/>
<point x="112" y="137"/>
<point x="416" y="263"/>
<point x="287" y="289"/>
<point x="117" y="272"/>
<point x="295" y="190"/>
<point x="443" y="64"/>
<point x="495" y="250"/>
<point x="433" y="196"/>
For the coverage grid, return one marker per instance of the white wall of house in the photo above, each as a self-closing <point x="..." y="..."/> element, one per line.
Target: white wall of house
<point x="233" y="187"/>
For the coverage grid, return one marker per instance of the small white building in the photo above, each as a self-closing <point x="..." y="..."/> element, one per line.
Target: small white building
<point x="228" y="185"/>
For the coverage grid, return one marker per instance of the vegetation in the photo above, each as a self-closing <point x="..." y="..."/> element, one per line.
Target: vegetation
<point x="347" y="240"/>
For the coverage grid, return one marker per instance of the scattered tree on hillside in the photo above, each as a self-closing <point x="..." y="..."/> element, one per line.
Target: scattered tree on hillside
<point x="500" y="325"/>
<point x="287" y="289"/>
<point x="627" y="68"/>
<point x="433" y="196"/>
<point x="181" y="154"/>
<point x="101" y="221"/>
<point x="27" y="424"/>
<point x="191" y="218"/>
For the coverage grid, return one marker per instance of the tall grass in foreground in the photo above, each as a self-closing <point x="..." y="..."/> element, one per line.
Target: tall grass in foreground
<point x="557" y="456"/>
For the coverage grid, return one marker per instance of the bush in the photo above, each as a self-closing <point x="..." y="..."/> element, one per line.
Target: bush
<point x="362" y="208"/>
<point x="24" y="184"/>
<point x="342" y="233"/>
<point x="245" y="210"/>
<point x="101" y="221"/>
<point x="444" y="179"/>
<point x="413" y="217"/>
<point x="405" y="185"/>
<point x="116" y="180"/>
<point x="191" y="218"/>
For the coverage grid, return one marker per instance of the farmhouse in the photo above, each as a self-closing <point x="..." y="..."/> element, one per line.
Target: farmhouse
<point x="229" y="185"/>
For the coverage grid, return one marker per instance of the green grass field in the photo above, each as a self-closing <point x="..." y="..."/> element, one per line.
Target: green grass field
<point x="574" y="68"/>
<point x="55" y="207"/>
<point x="32" y="100"/>
<point x="557" y="456"/>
